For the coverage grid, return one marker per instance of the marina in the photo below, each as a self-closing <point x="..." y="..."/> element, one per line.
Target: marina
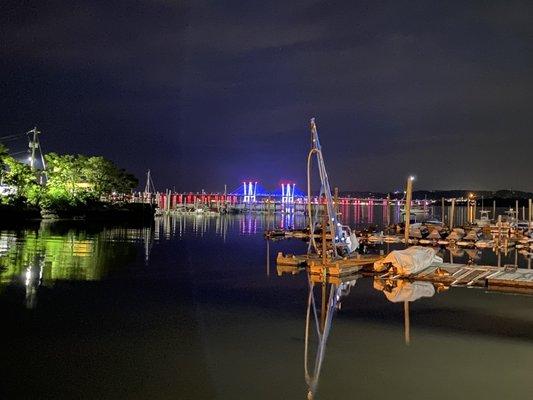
<point x="305" y="200"/>
<point x="203" y="248"/>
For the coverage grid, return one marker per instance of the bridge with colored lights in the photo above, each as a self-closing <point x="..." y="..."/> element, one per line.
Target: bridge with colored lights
<point x="250" y="195"/>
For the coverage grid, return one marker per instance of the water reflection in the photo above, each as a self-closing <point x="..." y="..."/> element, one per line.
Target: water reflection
<point x="404" y="291"/>
<point x="325" y="299"/>
<point x="42" y="255"/>
<point x="181" y="225"/>
<point x="326" y="295"/>
<point x="399" y="291"/>
<point x="321" y="313"/>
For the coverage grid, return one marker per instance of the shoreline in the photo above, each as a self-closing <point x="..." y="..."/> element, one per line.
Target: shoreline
<point x="128" y="212"/>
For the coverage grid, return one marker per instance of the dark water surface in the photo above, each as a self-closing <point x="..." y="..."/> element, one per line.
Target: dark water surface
<point x="191" y="309"/>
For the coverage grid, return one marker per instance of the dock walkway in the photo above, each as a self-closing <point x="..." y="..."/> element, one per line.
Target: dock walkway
<point x="508" y="278"/>
<point x="316" y="264"/>
<point x="503" y="279"/>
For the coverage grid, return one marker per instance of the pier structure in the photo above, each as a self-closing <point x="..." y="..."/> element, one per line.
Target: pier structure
<point x="250" y="195"/>
<point x="258" y="200"/>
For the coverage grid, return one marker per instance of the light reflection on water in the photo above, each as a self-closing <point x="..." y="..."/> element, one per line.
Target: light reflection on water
<point x="50" y="252"/>
<point x="242" y="328"/>
<point x="325" y="300"/>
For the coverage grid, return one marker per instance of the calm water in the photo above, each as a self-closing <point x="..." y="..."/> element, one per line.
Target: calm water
<point x="194" y="308"/>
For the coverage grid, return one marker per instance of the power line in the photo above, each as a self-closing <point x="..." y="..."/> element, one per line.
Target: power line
<point x="10" y="137"/>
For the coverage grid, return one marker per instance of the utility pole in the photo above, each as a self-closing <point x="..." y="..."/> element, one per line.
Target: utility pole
<point x="34" y="144"/>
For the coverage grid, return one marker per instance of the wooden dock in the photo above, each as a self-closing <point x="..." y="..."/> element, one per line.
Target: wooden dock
<point x="502" y="279"/>
<point x="338" y="267"/>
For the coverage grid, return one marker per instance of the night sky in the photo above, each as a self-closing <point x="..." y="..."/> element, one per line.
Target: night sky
<point x="208" y="93"/>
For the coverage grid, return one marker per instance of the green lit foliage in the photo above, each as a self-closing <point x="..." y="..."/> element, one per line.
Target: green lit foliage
<point x="76" y="179"/>
<point x="71" y="181"/>
<point x="23" y="179"/>
<point x="105" y="178"/>
<point x="3" y="155"/>
<point x="3" y="166"/>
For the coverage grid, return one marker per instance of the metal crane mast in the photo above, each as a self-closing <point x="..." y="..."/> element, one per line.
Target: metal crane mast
<point x="335" y="227"/>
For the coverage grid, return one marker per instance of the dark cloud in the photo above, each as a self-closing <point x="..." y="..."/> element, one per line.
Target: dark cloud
<point x="207" y="93"/>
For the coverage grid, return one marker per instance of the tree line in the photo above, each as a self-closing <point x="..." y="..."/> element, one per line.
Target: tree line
<point x="68" y="180"/>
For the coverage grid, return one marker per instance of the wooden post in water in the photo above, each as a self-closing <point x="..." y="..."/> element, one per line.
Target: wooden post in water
<point x="388" y="210"/>
<point x="408" y="197"/>
<point x="499" y="229"/>
<point x="530" y="212"/>
<point x="406" y="323"/>
<point x="452" y="213"/>
<point x="442" y="210"/>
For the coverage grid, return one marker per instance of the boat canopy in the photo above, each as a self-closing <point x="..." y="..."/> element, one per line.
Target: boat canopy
<point x="460" y="231"/>
<point x="434" y="235"/>
<point x="409" y="261"/>
<point x="455" y="236"/>
<point x="472" y="235"/>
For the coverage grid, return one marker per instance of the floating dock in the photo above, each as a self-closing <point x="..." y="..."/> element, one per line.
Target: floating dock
<point x="502" y="279"/>
<point x="337" y="267"/>
<point x="522" y="242"/>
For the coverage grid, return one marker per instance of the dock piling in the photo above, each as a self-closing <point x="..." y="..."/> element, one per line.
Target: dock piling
<point x="452" y="213"/>
<point x="442" y="209"/>
<point x="409" y="193"/>
<point x="530" y="212"/>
